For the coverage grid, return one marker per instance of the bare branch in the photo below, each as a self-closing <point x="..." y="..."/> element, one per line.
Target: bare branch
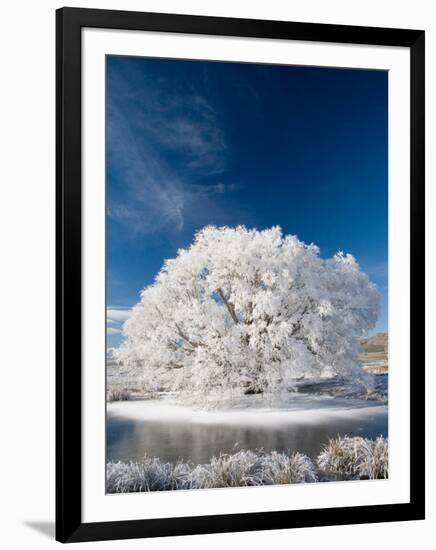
<point x="174" y="366"/>
<point x="183" y="335"/>
<point x="230" y="307"/>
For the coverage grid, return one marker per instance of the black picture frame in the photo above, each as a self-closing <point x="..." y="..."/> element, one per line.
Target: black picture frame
<point x="69" y="525"/>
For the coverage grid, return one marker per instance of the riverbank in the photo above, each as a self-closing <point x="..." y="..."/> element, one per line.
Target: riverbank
<point x="341" y="459"/>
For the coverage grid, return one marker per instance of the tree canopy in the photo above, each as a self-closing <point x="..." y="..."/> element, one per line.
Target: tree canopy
<point x="249" y="311"/>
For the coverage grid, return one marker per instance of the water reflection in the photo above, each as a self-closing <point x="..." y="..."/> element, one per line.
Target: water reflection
<point x="130" y="439"/>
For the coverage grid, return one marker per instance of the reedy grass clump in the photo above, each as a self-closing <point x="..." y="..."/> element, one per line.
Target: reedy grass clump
<point x="254" y="468"/>
<point x="149" y="475"/>
<point x="354" y="458"/>
<point x="118" y="395"/>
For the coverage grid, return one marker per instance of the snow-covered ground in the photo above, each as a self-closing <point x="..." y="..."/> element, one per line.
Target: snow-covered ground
<point x="249" y="410"/>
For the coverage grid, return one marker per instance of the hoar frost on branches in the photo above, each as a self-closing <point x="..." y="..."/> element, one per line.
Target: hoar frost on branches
<point x="248" y="311"/>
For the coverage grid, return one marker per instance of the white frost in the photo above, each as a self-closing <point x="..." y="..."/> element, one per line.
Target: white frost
<point x="248" y="311"/>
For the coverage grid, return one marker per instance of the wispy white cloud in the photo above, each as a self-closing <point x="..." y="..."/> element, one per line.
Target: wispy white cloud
<point x="188" y="124"/>
<point x="112" y="330"/>
<point x="117" y="315"/>
<point x="164" y="125"/>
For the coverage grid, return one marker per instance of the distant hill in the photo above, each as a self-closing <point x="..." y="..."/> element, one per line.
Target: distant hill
<point x="375" y="344"/>
<point x="374" y="356"/>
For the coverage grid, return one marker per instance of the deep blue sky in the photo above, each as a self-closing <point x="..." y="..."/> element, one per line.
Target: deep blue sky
<point x="191" y="143"/>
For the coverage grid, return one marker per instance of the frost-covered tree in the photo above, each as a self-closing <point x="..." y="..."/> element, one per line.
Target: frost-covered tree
<point x="249" y="311"/>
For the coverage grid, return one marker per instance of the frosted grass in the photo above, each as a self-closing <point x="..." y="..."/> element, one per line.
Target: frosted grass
<point x="345" y="458"/>
<point x="355" y="458"/>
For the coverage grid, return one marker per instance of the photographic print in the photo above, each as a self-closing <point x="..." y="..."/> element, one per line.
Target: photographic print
<point x="246" y="274"/>
<point x="239" y="276"/>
